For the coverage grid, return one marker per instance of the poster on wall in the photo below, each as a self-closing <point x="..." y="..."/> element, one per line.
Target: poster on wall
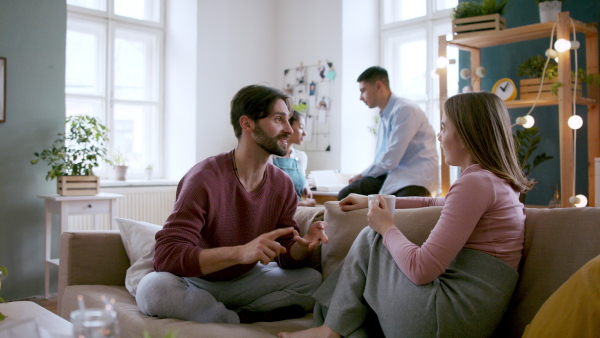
<point x="2" y="89"/>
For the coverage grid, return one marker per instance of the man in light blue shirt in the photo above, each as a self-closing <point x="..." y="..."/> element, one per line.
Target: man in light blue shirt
<point x="406" y="159"/>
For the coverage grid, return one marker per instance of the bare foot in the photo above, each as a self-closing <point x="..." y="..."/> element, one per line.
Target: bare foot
<point x="321" y="331"/>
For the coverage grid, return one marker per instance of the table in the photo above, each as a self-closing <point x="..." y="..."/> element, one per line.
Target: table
<point x="64" y="206"/>
<point x="323" y="196"/>
<point x="25" y="318"/>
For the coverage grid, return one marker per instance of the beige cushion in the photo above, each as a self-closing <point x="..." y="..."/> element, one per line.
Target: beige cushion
<point x="344" y="226"/>
<point x="139" y="240"/>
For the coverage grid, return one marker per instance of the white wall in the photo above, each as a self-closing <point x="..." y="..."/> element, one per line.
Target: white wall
<point x="236" y="47"/>
<point x="360" y="41"/>
<point x="180" y="139"/>
<point x="309" y="31"/>
<point x="247" y="42"/>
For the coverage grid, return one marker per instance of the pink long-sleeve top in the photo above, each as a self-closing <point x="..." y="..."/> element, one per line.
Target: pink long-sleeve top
<point x="481" y="211"/>
<point x="213" y="209"/>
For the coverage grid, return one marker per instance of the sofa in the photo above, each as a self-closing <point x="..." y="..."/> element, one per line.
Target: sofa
<point x="557" y="243"/>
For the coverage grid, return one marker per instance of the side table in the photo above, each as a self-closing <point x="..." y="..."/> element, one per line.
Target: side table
<point x="64" y="206"/>
<point x="25" y="318"/>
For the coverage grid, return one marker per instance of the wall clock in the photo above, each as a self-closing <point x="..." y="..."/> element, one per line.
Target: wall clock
<point x="505" y="89"/>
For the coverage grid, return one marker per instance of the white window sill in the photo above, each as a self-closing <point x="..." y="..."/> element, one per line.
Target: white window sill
<point x="137" y="183"/>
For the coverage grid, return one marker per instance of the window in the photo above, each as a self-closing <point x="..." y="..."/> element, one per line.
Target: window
<point x="409" y="32"/>
<point x="114" y="67"/>
<point x="409" y="35"/>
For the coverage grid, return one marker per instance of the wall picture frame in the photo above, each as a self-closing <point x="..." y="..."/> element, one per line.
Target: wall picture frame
<point x="2" y="89"/>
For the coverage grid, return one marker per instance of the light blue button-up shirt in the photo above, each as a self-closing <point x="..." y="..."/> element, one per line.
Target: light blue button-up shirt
<point x="406" y="148"/>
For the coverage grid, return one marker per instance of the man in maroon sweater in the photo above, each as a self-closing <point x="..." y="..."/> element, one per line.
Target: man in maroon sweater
<point x="230" y="250"/>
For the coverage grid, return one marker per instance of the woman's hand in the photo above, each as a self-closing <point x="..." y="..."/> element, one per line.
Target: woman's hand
<point x="354" y="202"/>
<point x="309" y="202"/>
<point x="307" y="193"/>
<point x="379" y="216"/>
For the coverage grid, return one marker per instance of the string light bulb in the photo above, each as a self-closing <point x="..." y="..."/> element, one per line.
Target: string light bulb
<point x="575" y="122"/>
<point x="578" y="201"/>
<point x="562" y="45"/>
<point x="526" y="121"/>
<point x="551" y="53"/>
<point x="443" y="62"/>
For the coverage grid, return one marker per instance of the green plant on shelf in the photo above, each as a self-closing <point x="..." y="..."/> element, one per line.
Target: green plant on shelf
<point x="471" y="8"/>
<point x="3" y="275"/>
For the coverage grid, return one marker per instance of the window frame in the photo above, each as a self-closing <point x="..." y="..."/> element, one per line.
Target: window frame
<point x="112" y="22"/>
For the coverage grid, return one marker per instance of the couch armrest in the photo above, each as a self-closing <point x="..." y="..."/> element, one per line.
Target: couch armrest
<point x="344" y="226"/>
<point x="91" y="257"/>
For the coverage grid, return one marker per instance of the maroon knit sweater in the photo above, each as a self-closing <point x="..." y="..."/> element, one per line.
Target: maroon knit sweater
<point x="212" y="209"/>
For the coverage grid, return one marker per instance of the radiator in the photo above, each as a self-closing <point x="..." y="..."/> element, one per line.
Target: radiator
<point x="147" y="204"/>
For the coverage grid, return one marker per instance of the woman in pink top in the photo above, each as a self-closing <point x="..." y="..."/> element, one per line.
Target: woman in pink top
<point x="460" y="281"/>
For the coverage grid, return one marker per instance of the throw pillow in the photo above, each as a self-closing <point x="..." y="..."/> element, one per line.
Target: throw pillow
<point x="138" y="239"/>
<point x="572" y="310"/>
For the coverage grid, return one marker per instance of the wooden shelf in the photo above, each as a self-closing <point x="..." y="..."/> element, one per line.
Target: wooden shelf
<point x="545" y="102"/>
<point x="517" y="34"/>
<point x="564" y="101"/>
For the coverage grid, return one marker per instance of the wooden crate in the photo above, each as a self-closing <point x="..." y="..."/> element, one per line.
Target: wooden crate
<point x="528" y="88"/>
<point x="78" y="185"/>
<point x="478" y="24"/>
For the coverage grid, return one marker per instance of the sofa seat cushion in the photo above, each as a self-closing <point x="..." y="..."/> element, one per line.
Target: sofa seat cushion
<point x="132" y="323"/>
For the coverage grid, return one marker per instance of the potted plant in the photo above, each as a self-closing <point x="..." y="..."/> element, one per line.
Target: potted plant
<point x="473" y="17"/>
<point x="74" y="155"/>
<point x="148" y="171"/>
<point x="526" y="142"/>
<point x="121" y="164"/>
<point x="3" y="274"/>
<point x="549" y="9"/>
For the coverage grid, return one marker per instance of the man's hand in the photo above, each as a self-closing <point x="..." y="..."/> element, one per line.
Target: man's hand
<point x="314" y="236"/>
<point x="354" y="202"/>
<point x="379" y="216"/>
<point x="355" y="178"/>
<point x="264" y="248"/>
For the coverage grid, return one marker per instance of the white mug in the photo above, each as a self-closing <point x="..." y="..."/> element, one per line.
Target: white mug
<point x="390" y="200"/>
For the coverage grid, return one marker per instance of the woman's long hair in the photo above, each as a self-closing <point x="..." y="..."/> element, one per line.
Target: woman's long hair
<point x="483" y="124"/>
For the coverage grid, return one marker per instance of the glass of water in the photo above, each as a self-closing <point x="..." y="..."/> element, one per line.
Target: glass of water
<point x="94" y="323"/>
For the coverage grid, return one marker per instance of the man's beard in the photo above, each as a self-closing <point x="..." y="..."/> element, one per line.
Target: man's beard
<point x="269" y="144"/>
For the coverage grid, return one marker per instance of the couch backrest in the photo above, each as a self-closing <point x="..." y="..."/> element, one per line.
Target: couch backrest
<point x="557" y="243"/>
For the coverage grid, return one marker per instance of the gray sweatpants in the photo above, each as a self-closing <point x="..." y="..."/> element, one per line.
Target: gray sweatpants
<point x="264" y="288"/>
<point x="467" y="300"/>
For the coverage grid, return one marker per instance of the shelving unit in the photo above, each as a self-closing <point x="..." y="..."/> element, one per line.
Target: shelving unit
<point x="564" y="100"/>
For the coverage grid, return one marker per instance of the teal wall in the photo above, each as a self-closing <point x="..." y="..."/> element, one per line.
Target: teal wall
<point x="32" y="38"/>
<point x="502" y="61"/>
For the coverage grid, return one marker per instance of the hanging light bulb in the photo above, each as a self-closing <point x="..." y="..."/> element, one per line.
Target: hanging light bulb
<point x="435" y="73"/>
<point x="442" y="62"/>
<point x="562" y="45"/>
<point x="530" y="121"/>
<point x="578" y="201"/>
<point x="575" y="122"/>
<point x="551" y="53"/>
<point x="575" y="44"/>
<point x="521" y="120"/>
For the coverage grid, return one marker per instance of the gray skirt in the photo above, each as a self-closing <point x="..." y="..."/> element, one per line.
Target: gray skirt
<point x="369" y="296"/>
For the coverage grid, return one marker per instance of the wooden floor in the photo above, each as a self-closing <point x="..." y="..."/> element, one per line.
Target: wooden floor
<point x="50" y="304"/>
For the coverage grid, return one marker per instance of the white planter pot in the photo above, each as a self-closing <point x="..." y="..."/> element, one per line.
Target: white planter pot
<point x="148" y="174"/>
<point x="120" y="172"/>
<point x="549" y="10"/>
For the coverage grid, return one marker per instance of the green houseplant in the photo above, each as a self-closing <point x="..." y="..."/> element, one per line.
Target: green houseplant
<point x="78" y="151"/>
<point x="471" y="8"/>
<point x="526" y="141"/>
<point x="3" y="274"/>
